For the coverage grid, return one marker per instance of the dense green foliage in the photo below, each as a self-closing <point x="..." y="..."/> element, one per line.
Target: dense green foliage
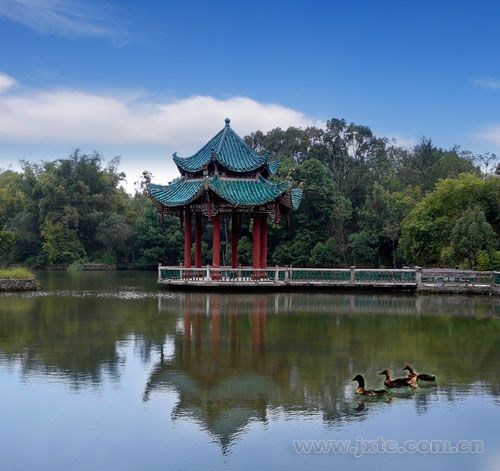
<point x="366" y="202"/>
<point x="458" y="223"/>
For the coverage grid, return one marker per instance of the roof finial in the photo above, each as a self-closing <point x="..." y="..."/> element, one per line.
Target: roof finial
<point x="227" y="121"/>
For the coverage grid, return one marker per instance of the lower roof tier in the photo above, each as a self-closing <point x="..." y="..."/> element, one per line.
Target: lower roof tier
<point x="236" y="191"/>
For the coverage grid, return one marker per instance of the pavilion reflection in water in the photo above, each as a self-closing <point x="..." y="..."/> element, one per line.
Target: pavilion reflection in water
<point x="223" y="381"/>
<point x="225" y="374"/>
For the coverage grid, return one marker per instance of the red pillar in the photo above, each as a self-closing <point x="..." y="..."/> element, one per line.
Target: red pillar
<point x="255" y="332"/>
<point x="263" y="241"/>
<point x="187" y="239"/>
<point x="256" y="241"/>
<point x="197" y="241"/>
<point x="187" y="331"/>
<point x="234" y="240"/>
<point x="216" y="327"/>
<point x="216" y="241"/>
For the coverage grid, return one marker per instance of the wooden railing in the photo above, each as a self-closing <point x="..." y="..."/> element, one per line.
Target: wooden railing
<point x="422" y="278"/>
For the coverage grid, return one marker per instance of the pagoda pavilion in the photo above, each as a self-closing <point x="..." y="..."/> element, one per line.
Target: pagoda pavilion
<point x="225" y="178"/>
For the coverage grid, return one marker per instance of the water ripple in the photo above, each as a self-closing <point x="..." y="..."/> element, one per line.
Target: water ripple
<point x="126" y="294"/>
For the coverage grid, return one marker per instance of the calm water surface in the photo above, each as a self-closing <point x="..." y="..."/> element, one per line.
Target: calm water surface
<point x="103" y="370"/>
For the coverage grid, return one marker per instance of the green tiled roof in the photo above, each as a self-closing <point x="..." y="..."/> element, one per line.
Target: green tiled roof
<point x="248" y="187"/>
<point x="228" y="149"/>
<point x="241" y="192"/>
<point x="247" y="192"/>
<point x="178" y="193"/>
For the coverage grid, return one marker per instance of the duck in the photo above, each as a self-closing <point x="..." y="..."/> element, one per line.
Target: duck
<point x="413" y="376"/>
<point x="367" y="392"/>
<point x="398" y="382"/>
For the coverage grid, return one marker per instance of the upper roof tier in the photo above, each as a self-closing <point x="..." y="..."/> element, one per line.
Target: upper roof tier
<point x="230" y="151"/>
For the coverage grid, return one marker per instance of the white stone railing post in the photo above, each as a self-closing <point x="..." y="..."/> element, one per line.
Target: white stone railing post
<point x="494" y="281"/>
<point x="352" y="274"/>
<point x="181" y="271"/>
<point x="277" y="278"/>
<point x="207" y="277"/>
<point x="418" y="276"/>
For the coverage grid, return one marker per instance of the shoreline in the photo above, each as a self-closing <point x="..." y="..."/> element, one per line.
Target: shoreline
<point x="13" y="285"/>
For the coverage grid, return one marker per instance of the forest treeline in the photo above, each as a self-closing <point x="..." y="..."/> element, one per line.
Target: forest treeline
<point x="367" y="202"/>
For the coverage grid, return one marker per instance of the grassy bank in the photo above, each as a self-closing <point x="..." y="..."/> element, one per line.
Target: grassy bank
<point x="16" y="273"/>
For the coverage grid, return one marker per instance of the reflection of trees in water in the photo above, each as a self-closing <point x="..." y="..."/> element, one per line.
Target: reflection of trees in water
<point x="239" y="358"/>
<point x="77" y="338"/>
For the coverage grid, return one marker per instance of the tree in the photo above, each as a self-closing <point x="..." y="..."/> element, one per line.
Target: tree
<point x="13" y="198"/>
<point x="113" y="233"/>
<point x="26" y="245"/>
<point x="353" y="154"/>
<point x="157" y="243"/>
<point x="83" y="183"/>
<point x="427" y="164"/>
<point x="487" y="161"/>
<point x="245" y="248"/>
<point x="472" y="234"/>
<point x="60" y="237"/>
<point x="294" y="143"/>
<point x="363" y="247"/>
<point x="322" y="208"/>
<point x="326" y="254"/>
<point x="427" y="228"/>
<point x="380" y="219"/>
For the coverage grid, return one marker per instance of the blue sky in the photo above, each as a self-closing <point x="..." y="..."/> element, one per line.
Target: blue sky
<point x="144" y="79"/>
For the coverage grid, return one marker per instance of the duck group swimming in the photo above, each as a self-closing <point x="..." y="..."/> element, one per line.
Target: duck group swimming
<point x="410" y="381"/>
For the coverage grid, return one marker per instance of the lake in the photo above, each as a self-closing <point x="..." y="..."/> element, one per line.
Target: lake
<point x="103" y="370"/>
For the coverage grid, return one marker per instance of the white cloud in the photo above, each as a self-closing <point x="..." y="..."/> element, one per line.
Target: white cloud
<point x="490" y="134"/>
<point x="77" y="118"/>
<point x="70" y="18"/>
<point x="488" y="83"/>
<point x="6" y="82"/>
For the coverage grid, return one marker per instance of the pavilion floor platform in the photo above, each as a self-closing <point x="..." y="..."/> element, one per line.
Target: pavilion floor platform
<point x="292" y="279"/>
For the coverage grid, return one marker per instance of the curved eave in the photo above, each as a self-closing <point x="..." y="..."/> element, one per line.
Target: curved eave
<point x="296" y="197"/>
<point x="292" y="198"/>
<point x="179" y="193"/>
<point x="273" y="167"/>
<point x="197" y="161"/>
<point x="247" y="192"/>
<point x="235" y="191"/>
